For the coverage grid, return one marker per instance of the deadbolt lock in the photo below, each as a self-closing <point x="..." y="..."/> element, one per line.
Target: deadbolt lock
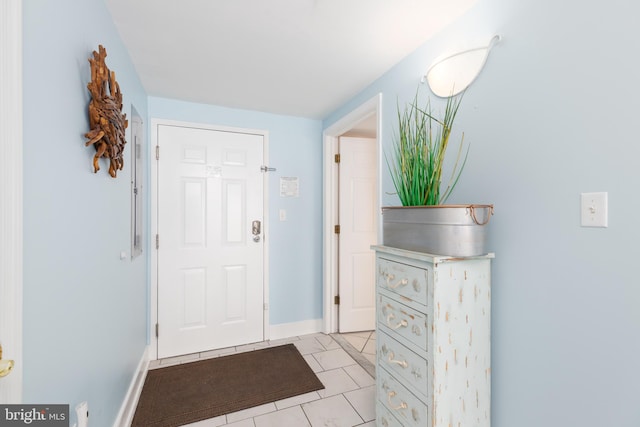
<point x="256" y="229"/>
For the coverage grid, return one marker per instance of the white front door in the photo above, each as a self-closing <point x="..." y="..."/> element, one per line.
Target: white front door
<point x="358" y="213"/>
<point x="210" y="254"/>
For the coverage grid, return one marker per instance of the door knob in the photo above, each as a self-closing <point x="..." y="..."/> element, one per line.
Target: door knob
<point x="5" y="365"/>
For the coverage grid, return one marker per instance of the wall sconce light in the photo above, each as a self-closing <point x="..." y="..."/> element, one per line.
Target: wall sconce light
<point x="453" y="74"/>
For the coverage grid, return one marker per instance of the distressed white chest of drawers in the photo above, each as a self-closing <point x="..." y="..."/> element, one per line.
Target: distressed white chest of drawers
<point x="433" y="321"/>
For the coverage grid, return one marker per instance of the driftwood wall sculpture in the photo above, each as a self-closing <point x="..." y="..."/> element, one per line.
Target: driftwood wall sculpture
<point x="105" y="115"/>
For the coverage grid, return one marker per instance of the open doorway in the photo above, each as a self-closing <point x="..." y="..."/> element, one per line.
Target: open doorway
<point x="363" y="122"/>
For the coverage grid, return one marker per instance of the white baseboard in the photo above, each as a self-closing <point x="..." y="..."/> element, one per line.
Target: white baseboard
<point x="128" y="408"/>
<point x="287" y="330"/>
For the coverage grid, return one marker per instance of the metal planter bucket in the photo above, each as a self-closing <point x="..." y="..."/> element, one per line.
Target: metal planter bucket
<point x="454" y="230"/>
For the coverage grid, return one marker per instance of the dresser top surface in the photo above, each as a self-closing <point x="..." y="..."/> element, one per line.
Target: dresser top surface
<point x="423" y="256"/>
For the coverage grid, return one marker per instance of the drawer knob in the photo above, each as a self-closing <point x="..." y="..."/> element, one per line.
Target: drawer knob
<point x="402" y="405"/>
<point x="401" y="363"/>
<point x="402" y="324"/>
<point x="389" y="277"/>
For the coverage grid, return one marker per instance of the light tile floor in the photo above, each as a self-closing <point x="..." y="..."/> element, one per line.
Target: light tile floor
<point x="363" y="342"/>
<point x="347" y="400"/>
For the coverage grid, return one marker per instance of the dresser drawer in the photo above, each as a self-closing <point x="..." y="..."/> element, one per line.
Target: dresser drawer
<point x="384" y="418"/>
<point x="405" y="280"/>
<point x="403" y="363"/>
<point x="403" y="321"/>
<point x="403" y="404"/>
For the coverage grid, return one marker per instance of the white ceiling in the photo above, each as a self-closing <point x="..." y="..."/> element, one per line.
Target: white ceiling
<point x="294" y="57"/>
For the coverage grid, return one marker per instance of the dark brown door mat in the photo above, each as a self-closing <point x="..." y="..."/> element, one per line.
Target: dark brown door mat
<point x="183" y="394"/>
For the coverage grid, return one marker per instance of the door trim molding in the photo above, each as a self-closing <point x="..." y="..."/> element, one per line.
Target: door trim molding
<point x="330" y="200"/>
<point x="153" y="261"/>
<point x="11" y="196"/>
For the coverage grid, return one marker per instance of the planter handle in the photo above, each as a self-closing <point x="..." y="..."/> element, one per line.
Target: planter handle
<point x="472" y="211"/>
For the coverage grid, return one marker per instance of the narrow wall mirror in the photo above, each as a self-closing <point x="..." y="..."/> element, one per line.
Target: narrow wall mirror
<point x="137" y="197"/>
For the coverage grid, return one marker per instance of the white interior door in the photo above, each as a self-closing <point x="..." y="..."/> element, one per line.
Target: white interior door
<point x="11" y="197"/>
<point x="358" y="231"/>
<point x="210" y="255"/>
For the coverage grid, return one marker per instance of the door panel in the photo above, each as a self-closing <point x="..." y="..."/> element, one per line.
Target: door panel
<point x="210" y="269"/>
<point x="362" y="264"/>
<point x="193" y="213"/>
<point x="234" y="214"/>
<point x="235" y="282"/>
<point x="358" y="231"/>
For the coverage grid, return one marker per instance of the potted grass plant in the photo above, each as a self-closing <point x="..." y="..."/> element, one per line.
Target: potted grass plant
<point x="417" y="166"/>
<point x="419" y="154"/>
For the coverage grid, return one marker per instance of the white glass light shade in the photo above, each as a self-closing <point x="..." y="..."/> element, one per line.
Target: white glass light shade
<point x="455" y="73"/>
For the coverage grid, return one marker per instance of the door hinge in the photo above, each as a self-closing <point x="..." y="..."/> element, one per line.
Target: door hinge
<point x="157" y="328"/>
<point x="336" y="229"/>
<point x="336" y="300"/>
<point x="157" y="152"/>
<point x="265" y="306"/>
<point x="336" y="158"/>
<point x="157" y="241"/>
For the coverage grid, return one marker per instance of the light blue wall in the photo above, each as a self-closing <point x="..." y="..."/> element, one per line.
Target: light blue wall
<point x="84" y="309"/>
<point x="553" y="114"/>
<point x="295" y="245"/>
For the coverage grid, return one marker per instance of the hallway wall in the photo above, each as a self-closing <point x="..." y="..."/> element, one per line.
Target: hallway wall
<point x="85" y="310"/>
<point x="552" y="115"/>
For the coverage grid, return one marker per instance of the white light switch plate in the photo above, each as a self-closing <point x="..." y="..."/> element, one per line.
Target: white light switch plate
<point x="594" y="210"/>
<point x="82" y="411"/>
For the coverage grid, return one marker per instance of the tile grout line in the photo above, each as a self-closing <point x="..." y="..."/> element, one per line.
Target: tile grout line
<point x="366" y="342"/>
<point x="355" y="354"/>
<point x="354" y="408"/>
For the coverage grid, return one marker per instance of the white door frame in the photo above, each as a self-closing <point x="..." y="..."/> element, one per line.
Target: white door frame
<point x="153" y="292"/>
<point x="11" y="197"/>
<point x="330" y="200"/>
